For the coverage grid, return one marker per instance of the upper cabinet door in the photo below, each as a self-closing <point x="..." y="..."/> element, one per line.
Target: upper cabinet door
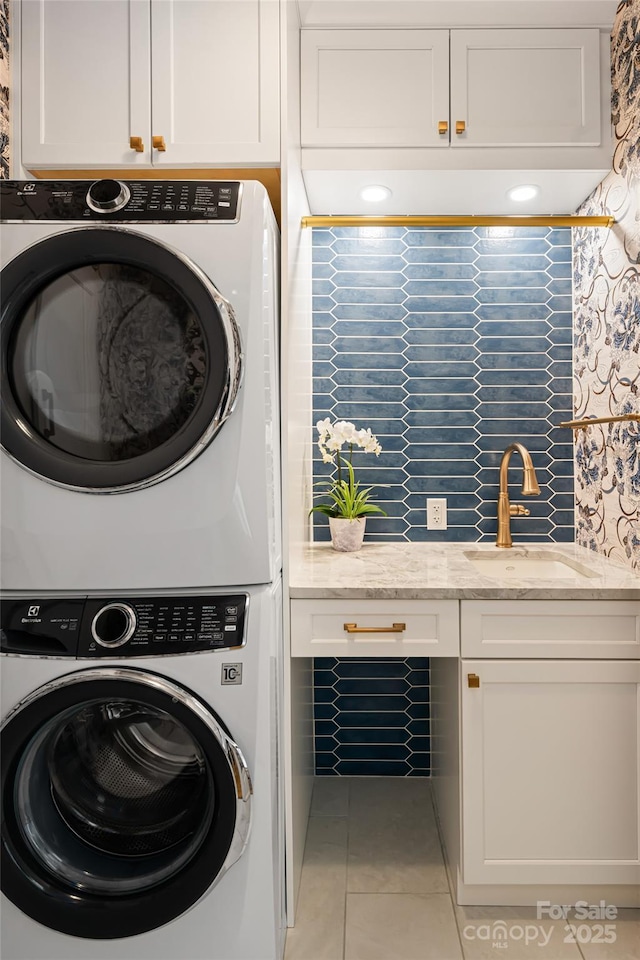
<point x="215" y="81"/>
<point x="525" y="88"/>
<point x="83" y="98"/>
<point x="375" y="88"/>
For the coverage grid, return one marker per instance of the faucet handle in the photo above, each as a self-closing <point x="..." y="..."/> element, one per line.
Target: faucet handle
<point x="517" y="510"/>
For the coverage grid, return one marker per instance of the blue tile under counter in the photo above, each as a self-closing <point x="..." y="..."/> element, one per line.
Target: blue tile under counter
<point x="380" y="715"/>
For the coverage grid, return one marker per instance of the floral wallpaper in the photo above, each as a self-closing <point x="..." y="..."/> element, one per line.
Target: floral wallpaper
<point x="4" y="89"/>
<point x="606" y="279"/>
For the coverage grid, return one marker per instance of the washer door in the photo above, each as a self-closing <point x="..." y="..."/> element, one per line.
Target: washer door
<point x="120" y="360"/>
<point x="124" y="799"/>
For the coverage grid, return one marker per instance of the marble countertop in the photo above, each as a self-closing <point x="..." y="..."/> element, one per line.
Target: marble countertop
<point x="441" y="570"/>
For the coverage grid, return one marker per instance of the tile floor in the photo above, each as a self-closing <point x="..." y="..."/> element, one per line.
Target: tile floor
<point x="374" y="887"/>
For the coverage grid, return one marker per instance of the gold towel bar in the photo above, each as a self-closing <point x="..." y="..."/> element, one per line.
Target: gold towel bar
<point x="577" y="424"/>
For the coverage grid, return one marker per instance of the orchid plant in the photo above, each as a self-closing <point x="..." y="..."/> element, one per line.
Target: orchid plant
<point x="347" y="498"/>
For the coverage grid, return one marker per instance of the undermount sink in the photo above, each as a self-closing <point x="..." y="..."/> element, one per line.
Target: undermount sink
<point x="542" y="565"/>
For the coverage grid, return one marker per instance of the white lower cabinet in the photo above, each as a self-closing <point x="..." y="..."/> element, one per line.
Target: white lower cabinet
<point x="535" y="734"/>
<point x="550" y="771"/>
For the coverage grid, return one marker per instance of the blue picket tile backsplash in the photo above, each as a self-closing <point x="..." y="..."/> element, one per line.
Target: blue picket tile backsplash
<point x="449" y="344"/>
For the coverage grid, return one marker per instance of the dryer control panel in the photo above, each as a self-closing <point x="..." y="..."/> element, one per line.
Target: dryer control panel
<point x="122" y="627"/>
<point x="121" y="201"/>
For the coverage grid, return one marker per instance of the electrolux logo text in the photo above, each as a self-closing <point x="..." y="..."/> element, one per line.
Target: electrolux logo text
<point x="33" y="615"/>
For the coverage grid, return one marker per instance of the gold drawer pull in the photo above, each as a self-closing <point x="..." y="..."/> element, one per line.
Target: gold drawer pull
<point x="460" y="126"/>
<point x="135" y="143"/>
<point x="354" y="628"/>
<point x="473" y="679"/>
<point x="159" y="144"/>
<point x="443" y="126"/>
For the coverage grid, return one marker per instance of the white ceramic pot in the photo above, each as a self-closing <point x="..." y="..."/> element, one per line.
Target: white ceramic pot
<point x="347" y="535"/>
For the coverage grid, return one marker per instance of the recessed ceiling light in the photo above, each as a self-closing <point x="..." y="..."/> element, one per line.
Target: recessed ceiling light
<point x="526" y="191"/>
<point x="375" y="193"/>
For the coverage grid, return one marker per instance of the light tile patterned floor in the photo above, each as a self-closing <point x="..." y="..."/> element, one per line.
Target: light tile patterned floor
<point x="374" y="887"/>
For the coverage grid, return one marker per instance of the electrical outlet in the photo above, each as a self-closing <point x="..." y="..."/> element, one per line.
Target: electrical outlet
<point x="436" y="513"/>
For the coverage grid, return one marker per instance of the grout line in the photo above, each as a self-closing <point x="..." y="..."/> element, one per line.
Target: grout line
<point x="581" y="954"/>
<point x="448" y="874"/>
<point x="346" y="874"/>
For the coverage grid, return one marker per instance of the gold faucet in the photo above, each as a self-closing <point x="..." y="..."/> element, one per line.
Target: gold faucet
<point x="530" y="487"/>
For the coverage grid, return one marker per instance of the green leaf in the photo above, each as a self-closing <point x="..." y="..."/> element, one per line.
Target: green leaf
<point x="349" y="499"/>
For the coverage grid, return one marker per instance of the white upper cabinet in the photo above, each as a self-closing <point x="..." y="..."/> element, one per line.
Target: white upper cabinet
<point x="459" y="88"/>
<point x="179" y="83"/>
<point x="215" y="81"/>
<point x="374" y="88"/>
<point x="525" y="87"/>
<point x="84" y="92"/>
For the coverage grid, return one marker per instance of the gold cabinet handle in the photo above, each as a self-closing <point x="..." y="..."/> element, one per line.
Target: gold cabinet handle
<point x="460" y="126"/>
<point x="473" y="679"/>
<point x="443" y="126"/>
<point x="135" y="143"/>
<point x="354" y="628"/>
<point x="159" y="144"/>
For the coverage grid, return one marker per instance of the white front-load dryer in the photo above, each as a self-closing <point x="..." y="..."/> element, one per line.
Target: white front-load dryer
<point x="141" y="801"/>
<point x="139" y="385"/>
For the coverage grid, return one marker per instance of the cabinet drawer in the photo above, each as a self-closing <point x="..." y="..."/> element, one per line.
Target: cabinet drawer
<point x="356" y="628"/>
<point x="592" y="629"/>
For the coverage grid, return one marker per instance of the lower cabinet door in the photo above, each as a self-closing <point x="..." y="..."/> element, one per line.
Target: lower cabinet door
<point x="550" y="771"/>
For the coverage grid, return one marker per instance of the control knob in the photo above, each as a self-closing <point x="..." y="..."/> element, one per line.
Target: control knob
<point x="107" y="196"/>
<point x="113" y="624"/>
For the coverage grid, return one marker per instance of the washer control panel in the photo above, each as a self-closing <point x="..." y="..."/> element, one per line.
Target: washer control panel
<point x="118" y="201"/>
<point x="123" y="627"/>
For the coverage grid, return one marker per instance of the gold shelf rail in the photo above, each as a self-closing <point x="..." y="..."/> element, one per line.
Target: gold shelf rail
<point x="589" y="421"/>
<point x="456" y="221"/>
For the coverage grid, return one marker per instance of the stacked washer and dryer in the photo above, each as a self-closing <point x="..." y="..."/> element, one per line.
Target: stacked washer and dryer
<point x="141" y="586"/>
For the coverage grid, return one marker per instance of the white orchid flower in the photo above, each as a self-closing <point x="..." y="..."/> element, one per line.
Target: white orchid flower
<point x="334" y="435"/>
<point x="346" y="431"/>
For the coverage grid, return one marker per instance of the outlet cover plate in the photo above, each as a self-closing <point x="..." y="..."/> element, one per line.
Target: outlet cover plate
<point x="436" y="513"/>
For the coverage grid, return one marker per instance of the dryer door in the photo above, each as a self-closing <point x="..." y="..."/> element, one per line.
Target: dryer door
<point x="124" y="799"/>
<point x="120" y="360"/>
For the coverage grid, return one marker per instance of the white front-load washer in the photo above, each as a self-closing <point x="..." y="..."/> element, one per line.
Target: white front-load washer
<point x="141" y="802"/>
<point x="139" y="385"/>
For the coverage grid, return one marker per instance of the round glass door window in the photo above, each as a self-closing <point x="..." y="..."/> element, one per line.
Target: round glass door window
<point x="121" y="360"/>
<point x="121" y="382"/>
<point x="125" y="797"/>
<point x="113" y="797"/>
